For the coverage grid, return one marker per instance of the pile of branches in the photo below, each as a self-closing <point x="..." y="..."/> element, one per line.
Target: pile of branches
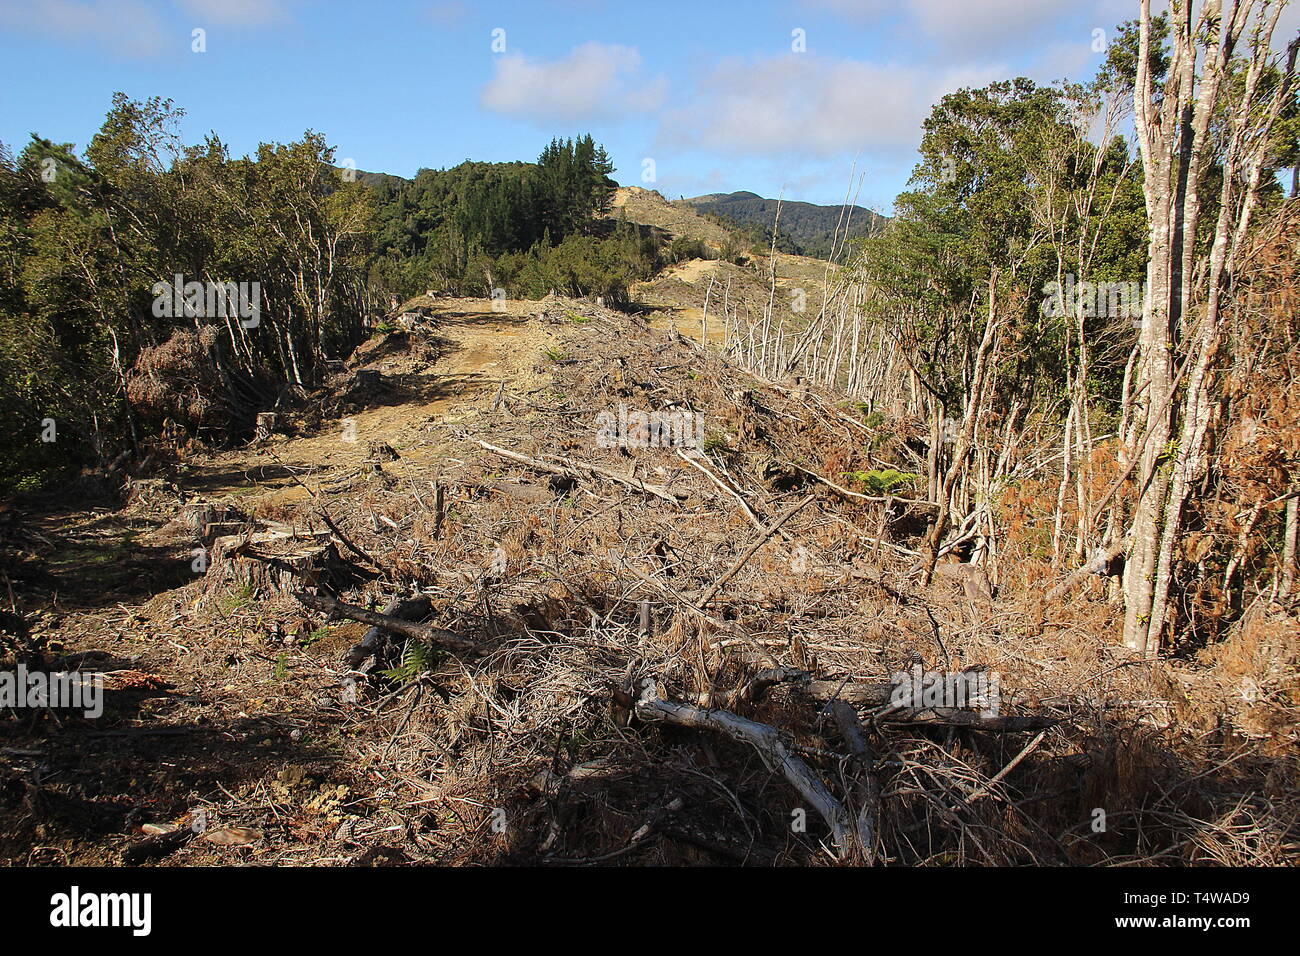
<point x="595" y="654"/>
<point x="190" y="380"/>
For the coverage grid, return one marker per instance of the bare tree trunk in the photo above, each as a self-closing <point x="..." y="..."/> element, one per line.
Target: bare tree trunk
<point x="1289" y="536"/>
<point x="974" y="404"/>
<point x="1158" y="519"/>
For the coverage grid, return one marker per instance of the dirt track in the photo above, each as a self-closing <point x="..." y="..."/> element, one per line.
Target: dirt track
<point x="478" y="348"/>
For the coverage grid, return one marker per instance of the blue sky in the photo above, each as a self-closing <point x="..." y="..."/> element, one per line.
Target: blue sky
<point x="714" y="94"/>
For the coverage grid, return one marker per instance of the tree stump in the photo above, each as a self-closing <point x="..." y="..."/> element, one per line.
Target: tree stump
<point x="267" y="425"/>
<point x="278" y="562"/>
<point x="366" y="382"/>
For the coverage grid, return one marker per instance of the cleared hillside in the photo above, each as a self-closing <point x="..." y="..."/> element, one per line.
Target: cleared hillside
<point x="676" y="297"/>
<point x="649" y="208"/>
<point x="577" y="594"/>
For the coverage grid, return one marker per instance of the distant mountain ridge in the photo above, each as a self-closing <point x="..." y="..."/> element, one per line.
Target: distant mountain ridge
<point x="810" y="227"/>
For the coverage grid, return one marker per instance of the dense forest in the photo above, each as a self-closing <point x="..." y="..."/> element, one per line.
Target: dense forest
<point x="527" y="228"/>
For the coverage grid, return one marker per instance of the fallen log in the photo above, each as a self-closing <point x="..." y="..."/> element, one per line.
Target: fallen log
<point x="1095" y="565"/>
<point x="373" y="642"/>
<point x="970" y="719"/>
<point x="421" y="632"/>
<point x="875" y="695"/>
<point x="765" y="739"/>
<point x="869" y="694"/>
<point x="867" y="787"/>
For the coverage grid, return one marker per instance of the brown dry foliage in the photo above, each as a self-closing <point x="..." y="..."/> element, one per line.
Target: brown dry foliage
<point x="1184" y="769"/>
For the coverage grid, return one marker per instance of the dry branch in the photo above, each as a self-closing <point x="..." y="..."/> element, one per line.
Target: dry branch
<point x="570" y="468"/>
<point x="771" y="529"/>
<point x="421" y="632"/>
<point x="723" y="487"/>
<point x="765" y="739"/>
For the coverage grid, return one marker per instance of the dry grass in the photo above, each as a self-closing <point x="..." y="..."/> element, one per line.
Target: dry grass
<point x="520" y="754"/>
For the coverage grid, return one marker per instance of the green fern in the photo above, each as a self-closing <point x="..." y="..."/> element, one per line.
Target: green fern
<point x="881" y="481"/>
<point x="318" y="634"/>
<point x="418" y="657"/>
<point x="714" y="441"/>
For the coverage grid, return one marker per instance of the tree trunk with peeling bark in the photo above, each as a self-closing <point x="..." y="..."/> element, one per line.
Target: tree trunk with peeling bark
<point x="1175" y="141"/>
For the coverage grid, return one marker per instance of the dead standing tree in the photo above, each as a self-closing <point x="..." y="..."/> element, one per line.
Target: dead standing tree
<point x="974" y="405"/>
<point x="1177" y="143"/>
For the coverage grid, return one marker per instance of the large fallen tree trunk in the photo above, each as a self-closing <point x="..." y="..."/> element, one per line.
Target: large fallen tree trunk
<point x="882" y="696"/>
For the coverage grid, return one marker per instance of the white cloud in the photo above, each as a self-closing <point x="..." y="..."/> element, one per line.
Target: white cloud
<point x="801" y="105"/>
<point x="448" y="13"/>
<point x="130" y="28"/>
<point x="235" y="12"/>
<point x="122" y="27"/>
<point x="990" y="23"/>
<point x="971" y="29"/>
<point x="595" y="81"/>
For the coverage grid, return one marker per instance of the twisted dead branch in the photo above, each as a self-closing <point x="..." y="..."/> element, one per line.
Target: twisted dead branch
<point x="421" y="632"/>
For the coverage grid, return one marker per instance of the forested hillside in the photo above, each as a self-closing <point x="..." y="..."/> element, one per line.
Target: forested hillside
<point x="527" y="228"/>
<point x="804" y="228"/>
<point x="99" y="251"/>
